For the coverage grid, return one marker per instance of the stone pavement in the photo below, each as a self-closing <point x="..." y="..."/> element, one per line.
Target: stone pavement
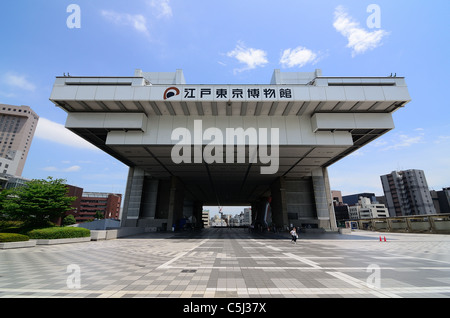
<point x="233" y="263"/>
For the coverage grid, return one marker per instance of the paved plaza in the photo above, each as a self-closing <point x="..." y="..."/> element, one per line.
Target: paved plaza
<point x="233" y="263"/>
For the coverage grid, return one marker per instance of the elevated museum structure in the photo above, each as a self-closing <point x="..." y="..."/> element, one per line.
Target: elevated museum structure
<point x="190" y="145"/>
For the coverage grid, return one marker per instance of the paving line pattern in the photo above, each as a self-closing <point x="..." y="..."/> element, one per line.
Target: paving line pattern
<point x="231" y="263"/>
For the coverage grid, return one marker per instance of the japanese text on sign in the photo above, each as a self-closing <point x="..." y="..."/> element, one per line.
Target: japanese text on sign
<point x="229" y="93"/>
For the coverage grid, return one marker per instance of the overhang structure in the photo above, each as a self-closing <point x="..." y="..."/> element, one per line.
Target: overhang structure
<point x="320" y="120"/>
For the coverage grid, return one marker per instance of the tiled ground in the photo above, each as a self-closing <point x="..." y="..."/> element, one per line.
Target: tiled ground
<point x="233" y="263"/>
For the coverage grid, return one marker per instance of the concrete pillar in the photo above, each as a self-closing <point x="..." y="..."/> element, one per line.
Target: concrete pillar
<point x="323" y="199"/>
<point x="298" y="202"/>
<point x="332" y="213"/>
<point x="176" y="201"/>
<point x="259" y="209"/>
<point x="279" y="204"/>
<point x="149" y="198"/>
<point x="133" y="196"/>
<point x="197" y="214"/>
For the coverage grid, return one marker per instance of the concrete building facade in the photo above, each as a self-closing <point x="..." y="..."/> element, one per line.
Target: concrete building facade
<point x="17" y="127"/>
<point x="354" y="199"/>
<point x="194" y="145"/>
<point x="441" y="200"/>
<point x="365" y="209"/>
<point x="108" y="204"/>
<point x="407" y="193"/>
<point x="205" y="218"/>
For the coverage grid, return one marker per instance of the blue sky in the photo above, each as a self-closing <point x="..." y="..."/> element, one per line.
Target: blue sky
<point x="231" y="42"/>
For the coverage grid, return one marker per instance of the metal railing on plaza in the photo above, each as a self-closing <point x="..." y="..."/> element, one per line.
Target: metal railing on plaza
<point x="430" y="223"/>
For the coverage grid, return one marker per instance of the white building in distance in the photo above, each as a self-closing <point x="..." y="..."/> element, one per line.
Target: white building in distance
<point x="367" y="210"/>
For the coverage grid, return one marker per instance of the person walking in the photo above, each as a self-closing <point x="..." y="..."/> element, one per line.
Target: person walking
<point x="294" y="235"/>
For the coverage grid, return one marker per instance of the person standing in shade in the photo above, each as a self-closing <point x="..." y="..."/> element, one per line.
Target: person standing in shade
<point x="294" y="235"/>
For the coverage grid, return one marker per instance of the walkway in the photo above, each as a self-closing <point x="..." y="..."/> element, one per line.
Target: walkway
<point x="223" y="263"/>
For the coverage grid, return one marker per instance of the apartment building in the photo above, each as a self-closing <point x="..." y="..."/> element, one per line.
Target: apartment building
<point x="17" y="127"/>
<point x="407" y="193"/>
<point x="92" y="203"/>
<point x="367" y="210"/>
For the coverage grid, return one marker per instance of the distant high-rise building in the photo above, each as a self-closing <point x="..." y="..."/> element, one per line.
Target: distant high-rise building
<point x="247" y="219"/>
<point x="365" y="209"/>
<point x="337" y="197"/>
<point x="17" y="127"/>
<point x="205" y="218"/>
<point x="407" y="193"/>
<point x="441" y="200"/>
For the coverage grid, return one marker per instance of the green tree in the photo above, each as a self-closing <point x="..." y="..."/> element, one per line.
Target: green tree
<point x="99" y="215"/>
<point x="69" y="220"/>
<point x="38" y="202"/>
<point x="3" y="196"/>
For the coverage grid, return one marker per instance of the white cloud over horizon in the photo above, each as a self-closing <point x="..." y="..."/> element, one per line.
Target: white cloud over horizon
<point x="54" y="132"/>
<point x="68" y="169"/>
<point x="136" y="21"/>
<point x="300" y="56"/>
<point x="359" y="40"/>
<point x="158" y="9"/>
<point x="18" y="81"/>
<point x="251" y="57"/>
<point x="400" y="141"/>
<point x="163" y="8"/>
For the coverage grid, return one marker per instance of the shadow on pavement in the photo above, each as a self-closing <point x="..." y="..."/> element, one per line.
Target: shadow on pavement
<point x="244" y="233"/>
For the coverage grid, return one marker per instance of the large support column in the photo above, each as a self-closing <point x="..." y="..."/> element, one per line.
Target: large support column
<point x="176" y="201"/>
<point x="304" y="202"/>
<point x="197" y="214"/>
<point x="147" y="215"/>
<point x="279" y="204"/>
<point x="323" y="200"/>
<point x="133" y="197"/>
<point x="293" y="203"/>
<point x="149" y="197"/>
<point x="332" y="213"/>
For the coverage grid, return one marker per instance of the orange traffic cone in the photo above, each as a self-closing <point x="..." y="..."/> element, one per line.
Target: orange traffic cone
<point x="385" y="238"/>
<point x="380" y="239"/>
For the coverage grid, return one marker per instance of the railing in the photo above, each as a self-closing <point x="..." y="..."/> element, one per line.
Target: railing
<point x="432" y="223"/>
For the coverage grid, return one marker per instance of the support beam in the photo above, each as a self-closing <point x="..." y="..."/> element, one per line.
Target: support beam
<point x="323" y="200"/>
<point x="176" y="199"/>
<point x="149" y="198"/>
<point x="279" y="203"/>
<point x="133" y="197"/>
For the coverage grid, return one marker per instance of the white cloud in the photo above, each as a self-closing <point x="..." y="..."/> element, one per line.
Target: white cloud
<point x="403" y="141"/>
<point x="7" y="95"/>
<point x="69" y="169"/>
<point x="19" y="81"/>
<point x="379" y="143"/>
<point x="300" y="56"/>
<point x="359" y="40"/>
<point x="72" y="169"/>
<point x="163" y="8"/>
<point x="137" y="21"/>
<point x="252" y="58"/>
<point x="442" y="139"/>
<point x="357" y="153"/>
<point x="54" y="132"/>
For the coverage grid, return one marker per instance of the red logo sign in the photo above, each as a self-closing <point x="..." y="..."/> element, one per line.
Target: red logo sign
<point x="171" y="92"/>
